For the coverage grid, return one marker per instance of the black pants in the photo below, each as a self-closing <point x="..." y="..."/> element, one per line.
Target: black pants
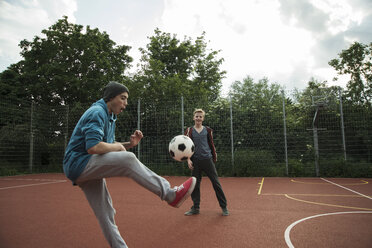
<point x="209" y="168"/>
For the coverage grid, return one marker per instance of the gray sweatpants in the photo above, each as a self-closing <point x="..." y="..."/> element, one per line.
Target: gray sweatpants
<point x="117" y="164"/>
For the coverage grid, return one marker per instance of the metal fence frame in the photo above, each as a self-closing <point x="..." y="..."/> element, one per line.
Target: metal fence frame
<point x="139" y="123"/>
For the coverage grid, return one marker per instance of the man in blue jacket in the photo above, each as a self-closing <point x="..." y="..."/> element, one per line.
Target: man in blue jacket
<point x="93" y="155"/>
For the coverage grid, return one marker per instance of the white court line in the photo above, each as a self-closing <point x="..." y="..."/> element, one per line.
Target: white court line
<point x="28" y="179"/>
<point x="34" y="184"/>
<point x="347" y="188"/>
<point x="288" y="230"/>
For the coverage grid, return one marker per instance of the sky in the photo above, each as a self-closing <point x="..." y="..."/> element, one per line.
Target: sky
<point x="287" y="41"/>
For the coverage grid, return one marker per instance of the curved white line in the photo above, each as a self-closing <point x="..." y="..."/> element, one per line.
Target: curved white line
<point x="288" y="230"/>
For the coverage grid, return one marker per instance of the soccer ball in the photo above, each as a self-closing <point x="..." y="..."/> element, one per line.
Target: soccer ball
<point x="181" y="148"/>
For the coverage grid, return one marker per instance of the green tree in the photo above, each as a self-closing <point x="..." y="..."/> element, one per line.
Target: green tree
<point x="14" y="97"/>
<point x="248" y="94"/>
<point x="258" y="121"/>
<point x="315" y="92"/>
<point x="68" y="65"/>
<point x="356" y="61"/>
<point x="10" y="85"/>
<point x="171" y="68"/>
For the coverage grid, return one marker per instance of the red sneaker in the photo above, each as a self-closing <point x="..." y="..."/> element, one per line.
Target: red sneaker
<point x="183" y="191"/>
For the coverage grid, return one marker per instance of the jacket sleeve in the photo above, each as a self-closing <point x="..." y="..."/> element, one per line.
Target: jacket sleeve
<point x="93" y="129"/>
<point x="211" y="144"/>
<point x="188" y="132"/>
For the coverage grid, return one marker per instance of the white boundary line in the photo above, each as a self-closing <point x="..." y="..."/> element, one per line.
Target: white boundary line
<point x="346" y="188"/>
<point x="34" y="184"/>
<point x="29" y="179"/>
<point x="288" y="230"/>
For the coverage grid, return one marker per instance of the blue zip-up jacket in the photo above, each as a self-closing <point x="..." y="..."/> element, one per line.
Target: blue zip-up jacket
<point x="95" y="125"/>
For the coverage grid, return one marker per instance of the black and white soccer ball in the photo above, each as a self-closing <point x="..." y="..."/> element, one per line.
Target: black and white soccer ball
<point x="181" y="148"/>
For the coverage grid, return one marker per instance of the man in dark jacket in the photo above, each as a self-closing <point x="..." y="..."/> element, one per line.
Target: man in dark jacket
<point x="203" y="160"/>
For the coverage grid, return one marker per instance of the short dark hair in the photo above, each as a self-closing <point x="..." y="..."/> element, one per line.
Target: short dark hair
<point x="113" y="89"/>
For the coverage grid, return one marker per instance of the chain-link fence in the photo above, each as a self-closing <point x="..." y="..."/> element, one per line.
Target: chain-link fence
<point x="269" y="139"/>
<point x="32" y="137"/>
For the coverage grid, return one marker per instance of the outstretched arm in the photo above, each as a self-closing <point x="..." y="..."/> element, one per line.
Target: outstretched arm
<point x="103" y="147"/>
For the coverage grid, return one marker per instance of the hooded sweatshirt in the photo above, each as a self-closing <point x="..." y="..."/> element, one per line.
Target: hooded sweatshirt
<point x="94" y="126"/>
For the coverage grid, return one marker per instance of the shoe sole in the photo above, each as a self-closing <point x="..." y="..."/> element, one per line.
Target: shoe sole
<point x="189" y="191"/>
<point x="191" y="214"/>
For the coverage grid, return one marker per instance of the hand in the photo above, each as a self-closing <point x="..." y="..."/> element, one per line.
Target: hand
<point x="135" y="138"/>
<point x="189" y="163"/>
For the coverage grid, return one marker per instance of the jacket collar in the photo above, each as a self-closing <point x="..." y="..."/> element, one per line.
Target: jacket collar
<point x="112" y="117"/>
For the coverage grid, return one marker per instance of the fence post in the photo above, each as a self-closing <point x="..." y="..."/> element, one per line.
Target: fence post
<point x="182" y="116"/>
<point x="66" y="130"/>
<point x="232" y="137"/>
<point x="315" y="136"/>
<point x="342" y="123"/>
<point x="139" y="127"/>
<point x="31" y="156"/>
<point x="285" y="134"/>
<point x="316" y="148"/>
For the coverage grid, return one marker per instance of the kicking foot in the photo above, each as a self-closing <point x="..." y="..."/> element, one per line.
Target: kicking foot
<point x="183" y="191"/>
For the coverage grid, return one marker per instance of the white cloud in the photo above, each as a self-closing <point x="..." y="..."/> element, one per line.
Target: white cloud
<point x="288" y="41"/>
<point x="25" y="19"/>
<point x="253" y="39"/>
